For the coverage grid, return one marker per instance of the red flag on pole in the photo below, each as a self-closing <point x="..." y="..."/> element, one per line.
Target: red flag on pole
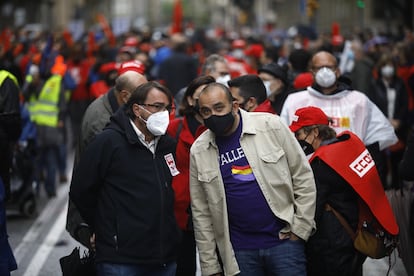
<point x="106" y="29"/>
<point x="177" y="17"/>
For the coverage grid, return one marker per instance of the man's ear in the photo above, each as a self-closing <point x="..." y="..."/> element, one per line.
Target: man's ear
<point x="316" y="130"/>
<point x="252" y="103"/>
<point x="135" y="109"/>
<point x="124" y="96"/>
<point x="235" y="106"/>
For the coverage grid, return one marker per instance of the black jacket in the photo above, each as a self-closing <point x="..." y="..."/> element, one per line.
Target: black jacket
<point x="378" y="94"/>
<point x="10" y="127"/>
<point x="330" y="250"/>
<point x="124" y="193"/>
<point x="406" y="165"/>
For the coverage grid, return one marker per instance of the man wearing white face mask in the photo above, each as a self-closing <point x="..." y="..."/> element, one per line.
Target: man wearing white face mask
<point x="94" y="120"/>
<point x="349" y="109"/>
<point x="122" y="188"/>
<point x="275" y="80"/>
<point x="389" y="94"/>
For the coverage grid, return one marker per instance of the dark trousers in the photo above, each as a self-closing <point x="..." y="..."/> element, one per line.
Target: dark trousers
<point x="186" y="262"/>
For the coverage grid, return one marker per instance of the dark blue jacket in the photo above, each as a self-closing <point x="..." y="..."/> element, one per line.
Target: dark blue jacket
<point x="7" y="261"/>
<point x="123" y="191"/>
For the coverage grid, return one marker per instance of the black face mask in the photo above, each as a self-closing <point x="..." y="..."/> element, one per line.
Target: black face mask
<point x="219" y="124"/>
<point x="307" y="148"/>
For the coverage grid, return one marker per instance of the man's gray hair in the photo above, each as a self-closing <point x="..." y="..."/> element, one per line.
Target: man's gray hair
<point x="210" y="63"/>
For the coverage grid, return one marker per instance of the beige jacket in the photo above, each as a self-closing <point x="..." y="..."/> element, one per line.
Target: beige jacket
<point x="282" y="171"/>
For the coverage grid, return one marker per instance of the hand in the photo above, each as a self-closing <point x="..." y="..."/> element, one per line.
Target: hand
<point x="293" y="237"/>
<point x="61" y="124"/>
<point x="92" y="242"/>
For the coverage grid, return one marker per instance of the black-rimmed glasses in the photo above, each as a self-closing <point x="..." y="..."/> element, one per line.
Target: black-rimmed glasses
<point x="158" y="107"/>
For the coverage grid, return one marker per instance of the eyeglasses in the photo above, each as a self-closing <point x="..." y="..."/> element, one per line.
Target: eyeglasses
<point x="157" y="107"/>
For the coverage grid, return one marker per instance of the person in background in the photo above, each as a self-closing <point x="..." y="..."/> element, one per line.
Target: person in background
<point x="361" y="74"/>
<point x="248" y="90"/>
<point x="349" y="109"/>
<point x="252" y="191"/>
<point x="185" y="129"/>
<point x="179" y="69"/>
<point x="217" y="67"/>
<point x="48" y="111"/>
<point x="10" y="129"/>
<point x="277" y="86"/>
<point x="405" y="167"/>
<point x="330" y="251"/>
<point x="389" y="94"/>
<point x="122" y="187"/>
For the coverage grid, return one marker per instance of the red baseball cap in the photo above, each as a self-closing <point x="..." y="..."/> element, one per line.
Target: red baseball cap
<point x="303" y="80"/>
<point x="132" y="65"/>
<point x="308" y="116"/>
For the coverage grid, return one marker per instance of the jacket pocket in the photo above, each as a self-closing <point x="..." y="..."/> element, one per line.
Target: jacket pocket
<point x="272" y="156"/>
<point x="210" y="181"/>
<point x="275" y="167"/>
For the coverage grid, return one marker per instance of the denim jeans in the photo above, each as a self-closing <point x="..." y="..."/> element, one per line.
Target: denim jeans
<point x="285" y="259"/>
<point x="111" y="269"/>
<point x="49" y="157"/>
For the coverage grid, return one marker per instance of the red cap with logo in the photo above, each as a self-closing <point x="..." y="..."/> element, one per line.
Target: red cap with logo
<point x="132" y="65"/>
<point x="308" y="116"/>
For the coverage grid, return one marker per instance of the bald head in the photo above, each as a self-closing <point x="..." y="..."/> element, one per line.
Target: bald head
<point x="126" y="83"/>
<point x="323" y="58"/>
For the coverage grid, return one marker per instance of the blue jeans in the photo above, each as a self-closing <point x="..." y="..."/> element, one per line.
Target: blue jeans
<point x="49" y="157"/>
<point x="111" y="269"/>
<point x="285" y="259"/>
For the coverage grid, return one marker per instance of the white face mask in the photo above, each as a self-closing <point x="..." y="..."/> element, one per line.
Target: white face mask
<point x="223" y="79"/>
<point x="157" y="123"/>
<point x="267" y="85"/>
<point x="387" y="71"/>
<point x="325" y="77"/>
<point x="238" y="54"/>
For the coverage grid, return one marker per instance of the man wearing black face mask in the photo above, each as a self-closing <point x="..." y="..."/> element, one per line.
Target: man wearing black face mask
<point x="252" y="191"/>
<point x="349" y="109"/>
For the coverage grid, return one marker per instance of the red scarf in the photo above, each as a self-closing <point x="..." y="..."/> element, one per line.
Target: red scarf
<point x="351" y="160"/>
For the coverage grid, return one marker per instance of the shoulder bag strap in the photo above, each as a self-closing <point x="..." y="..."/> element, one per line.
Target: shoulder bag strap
<point x="342" y="220"/>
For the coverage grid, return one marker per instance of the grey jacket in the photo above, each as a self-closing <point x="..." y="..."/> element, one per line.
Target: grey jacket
<point x="282" y="171"/>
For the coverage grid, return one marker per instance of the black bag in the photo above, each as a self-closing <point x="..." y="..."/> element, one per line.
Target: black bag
<point x="75" y="265"/>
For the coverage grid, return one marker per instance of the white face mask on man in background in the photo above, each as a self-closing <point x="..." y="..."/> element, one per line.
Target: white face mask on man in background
<point x="387" y="71"/>
<point x="268" y="90"/>
<point x="325" y="77"/>
<point x="223" y="79"/>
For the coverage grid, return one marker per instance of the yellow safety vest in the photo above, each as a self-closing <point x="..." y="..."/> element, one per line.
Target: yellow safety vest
<point x="4" y="74"/>
<point x="45" y="110"/>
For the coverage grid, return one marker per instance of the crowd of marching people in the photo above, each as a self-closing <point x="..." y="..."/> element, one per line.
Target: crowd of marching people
<point x="160" y="109"/>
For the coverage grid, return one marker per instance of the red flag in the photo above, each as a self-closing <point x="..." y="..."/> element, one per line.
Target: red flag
<point x="106" y="29"/>
<point x="91" y="44"/>
<point x="335" y="29"/>
<point x="177" y="17"/>
<point x="67" y="36"/>
<point x="5" y="39"/>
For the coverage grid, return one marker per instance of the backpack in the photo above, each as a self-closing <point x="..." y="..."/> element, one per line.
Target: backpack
<point x="370" y="237"/>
